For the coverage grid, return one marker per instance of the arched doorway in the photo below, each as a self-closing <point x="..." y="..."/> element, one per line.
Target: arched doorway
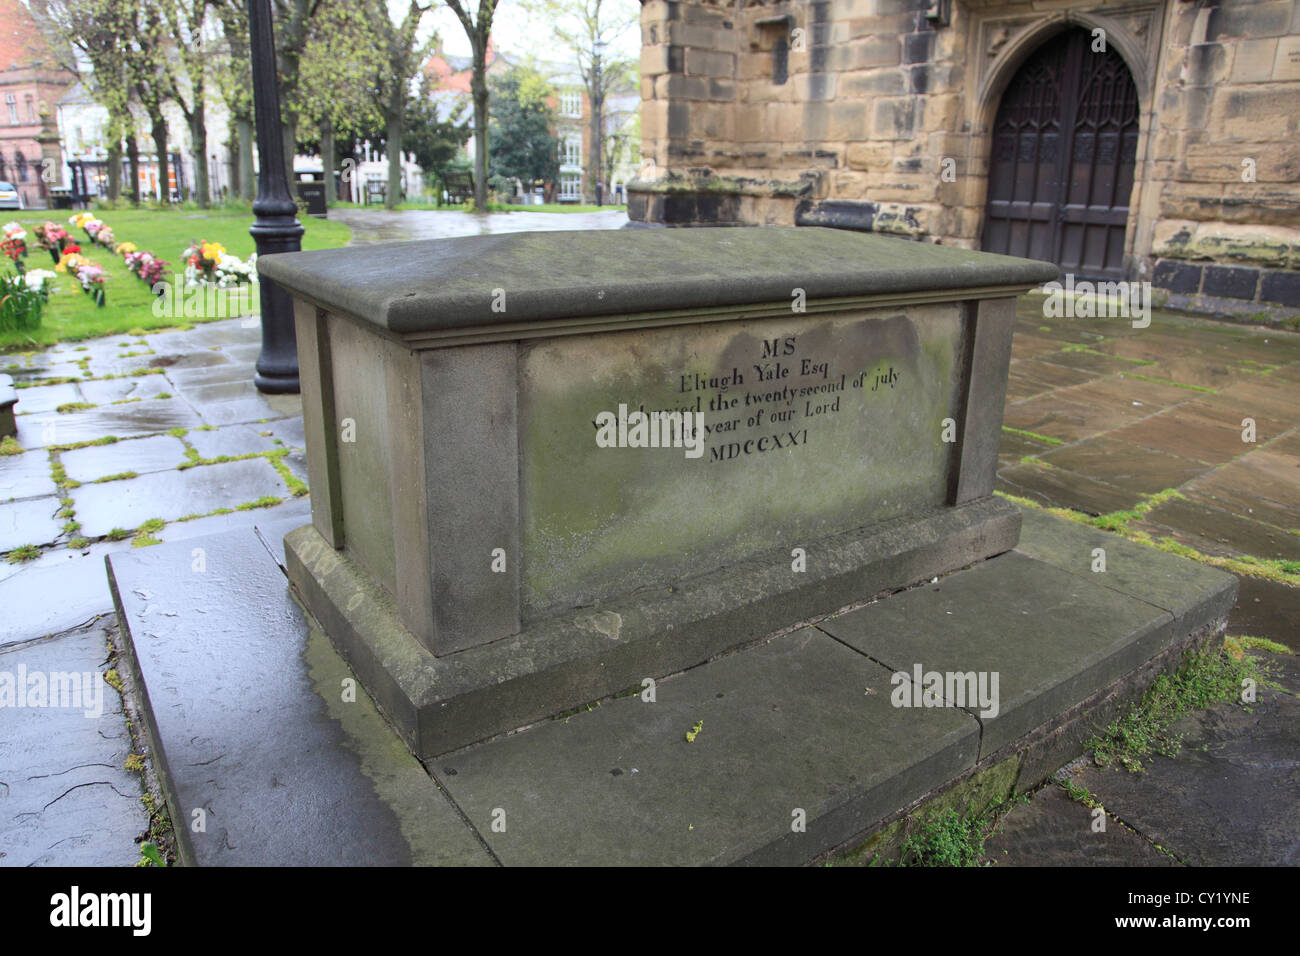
<point x="1063" y="158"/>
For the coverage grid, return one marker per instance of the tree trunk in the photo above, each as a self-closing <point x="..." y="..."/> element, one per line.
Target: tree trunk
<point x="394" y="195"/>
<point x="159" y="127"/>
<point x="290" y="132"/>
<point x="247" y="180"/>
<point x="479" y="88"/>
<point x="114" y="170"/>
<point x="327" y="159"/>
<point x="133" y="164"/>
<point x="199" y="139"/>
<point x="233" y="147"/>
<point x="597" y="140"/>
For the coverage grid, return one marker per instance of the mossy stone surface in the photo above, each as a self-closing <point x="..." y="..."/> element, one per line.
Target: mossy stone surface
<point x="483" y="281"/>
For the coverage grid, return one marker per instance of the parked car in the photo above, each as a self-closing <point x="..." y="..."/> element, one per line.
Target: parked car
<point x="10" y="197"/>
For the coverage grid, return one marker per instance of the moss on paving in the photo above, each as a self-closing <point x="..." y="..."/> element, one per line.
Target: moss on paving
<point x="1280" y="570"/>
<point x="1204" y="678"/>
<point x="1235" y="647"/>
<point x="1165" y="381"/>
<point x="1032" y="436"/>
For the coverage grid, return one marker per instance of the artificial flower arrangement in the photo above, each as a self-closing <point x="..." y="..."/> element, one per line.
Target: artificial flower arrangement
<point x="209" y="262"/>
<point x="41" y="281"/>
<point x="105" y="237"/>
<point x="147" y="266"/>
<point x="91" y="274"/>
<point x="125" y="248"/>
<point x="92" y="279"/>
<point x="16" y="234"/>
<point x="71" y="260"/>
<point x="52" y="238"/>
<point x="13" y="248"/>
<point x="20" y="304"/>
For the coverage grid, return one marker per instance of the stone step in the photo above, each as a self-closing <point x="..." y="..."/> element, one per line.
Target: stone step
<point x="249" y="722"/>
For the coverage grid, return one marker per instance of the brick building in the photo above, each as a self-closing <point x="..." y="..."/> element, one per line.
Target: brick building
<point x="1155" y="140"/>
<point x="30" y="86"/>
<point x="450" y="78"/>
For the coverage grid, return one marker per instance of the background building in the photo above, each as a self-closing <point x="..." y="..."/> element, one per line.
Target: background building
<point x="30" y="86"/>
<point x="450" y="78"/>
<point x="1155" y="140"/>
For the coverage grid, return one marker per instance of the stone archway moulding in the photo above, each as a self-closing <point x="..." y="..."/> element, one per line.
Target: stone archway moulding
<point x="1134" y="45"/>
<point x="1003" y="44"/>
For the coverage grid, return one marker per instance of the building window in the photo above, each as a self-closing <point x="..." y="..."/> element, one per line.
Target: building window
<point x="571" y="154"/>
<point x="12" y="102"/>
<point x="570" y="187"/>
<point x="571" y="103"/>
<point x="31" y="110"/>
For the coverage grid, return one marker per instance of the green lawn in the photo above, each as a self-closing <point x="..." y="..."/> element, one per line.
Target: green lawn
<point x="71" y="315"/>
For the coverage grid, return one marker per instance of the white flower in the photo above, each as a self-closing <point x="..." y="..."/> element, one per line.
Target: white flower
<point x="36" y="278"/>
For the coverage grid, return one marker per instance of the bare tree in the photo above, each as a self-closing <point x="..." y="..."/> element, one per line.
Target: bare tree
<point x="336" y="74"/>
<point x="185" y="20"/>
<point x="293" y="21"/>
<point x="589" y="28"/>
<point x="478" y="28"/>
<point x="98" y="33"/>
<point x="234" y="75"/>
<point x="401" y="54"/>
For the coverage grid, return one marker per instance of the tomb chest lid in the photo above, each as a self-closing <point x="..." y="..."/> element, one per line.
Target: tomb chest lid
<point x="476" y="283"/>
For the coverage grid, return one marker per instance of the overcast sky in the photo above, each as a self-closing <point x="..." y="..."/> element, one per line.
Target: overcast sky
<point x="513" y="33"/>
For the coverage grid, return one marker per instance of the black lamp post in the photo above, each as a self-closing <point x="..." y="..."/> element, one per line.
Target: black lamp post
<point x="275" y="227"/>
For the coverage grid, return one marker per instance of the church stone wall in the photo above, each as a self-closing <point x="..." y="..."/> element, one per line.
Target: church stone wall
<point x="875" y="115"/>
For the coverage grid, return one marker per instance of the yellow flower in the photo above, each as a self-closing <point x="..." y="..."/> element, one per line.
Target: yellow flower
<point x="71" y="260"/>
<point x="123" y="248"/>
<point x="213" y="251"/>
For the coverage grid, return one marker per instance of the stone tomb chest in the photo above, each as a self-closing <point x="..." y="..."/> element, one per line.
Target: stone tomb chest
<point x="547" y="466"/>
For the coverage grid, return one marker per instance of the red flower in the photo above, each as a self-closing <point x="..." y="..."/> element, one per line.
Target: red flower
<point x="71" y="247"/>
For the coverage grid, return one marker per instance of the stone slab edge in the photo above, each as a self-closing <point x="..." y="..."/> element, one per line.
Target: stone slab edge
<point x="166" y="779"/>
<point x="1195" y="623"/>
<point x="1045" y="749"/>
<point x="452" y="283"/>
<point x="441" y="704"/>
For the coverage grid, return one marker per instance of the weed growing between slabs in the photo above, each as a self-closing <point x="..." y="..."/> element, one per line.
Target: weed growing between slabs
<point x="158" y="842"/>
<point x="1280" y="570"/>
<point x="148" y="533"/>
<point x="1205" y="678"/>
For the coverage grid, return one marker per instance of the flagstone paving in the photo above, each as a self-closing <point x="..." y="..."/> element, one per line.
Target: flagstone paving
<point x="73" y="804"/>
<point x="1099" y="417"/>
<point x="1227" y="798"/>
<point x="1170" y="417"/>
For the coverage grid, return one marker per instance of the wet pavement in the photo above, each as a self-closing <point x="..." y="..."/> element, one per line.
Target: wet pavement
<point x="1099" y="415"/>
<point x="1108" y="416"/>
<point x="1227" y="798"/>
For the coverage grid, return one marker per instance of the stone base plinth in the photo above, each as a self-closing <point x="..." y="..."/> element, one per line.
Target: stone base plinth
<point x="441" y="703"/>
